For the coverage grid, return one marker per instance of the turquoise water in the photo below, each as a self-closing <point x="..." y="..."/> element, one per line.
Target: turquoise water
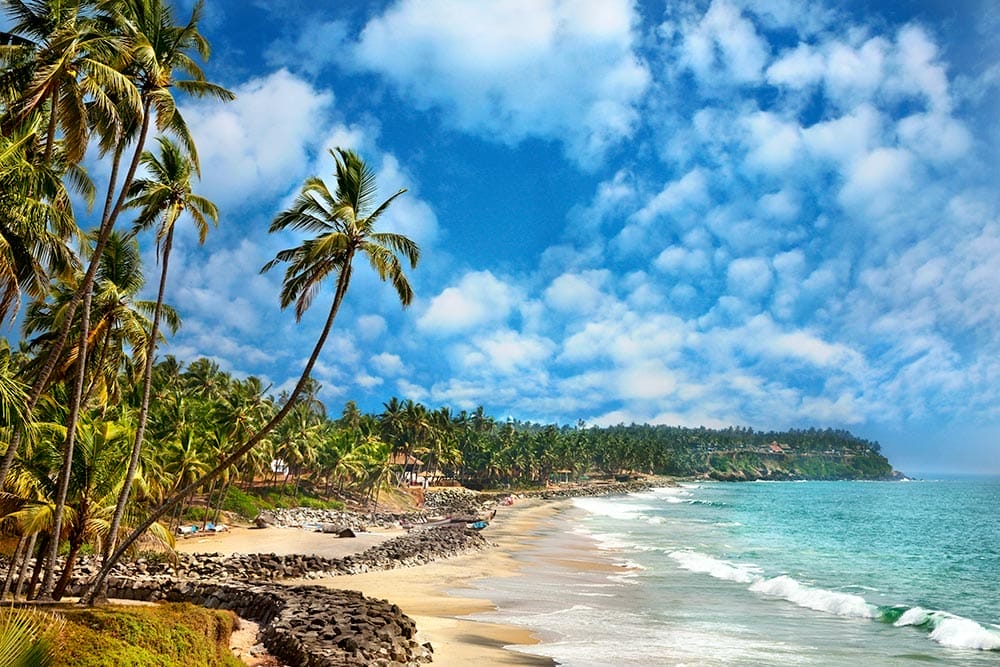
<point x="787" y="573"/>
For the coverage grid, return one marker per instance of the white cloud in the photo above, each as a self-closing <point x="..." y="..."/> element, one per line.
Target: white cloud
<point x="648" y="380"/>
<point x="366" y="381"/>
<point x="561" y="69"/>
<point x="679" y="260"/>
<point x="479" y="298"/>
<point x="370" y="327"/>
<point x="749" y="277"/>
<point x="253" y="149"/>
<point x="853" y="75"/>
<point x="509" y="352"/>
<point x="935" y="137"/>
<point x="917" y="73"/>
<point x="314" y="46"/>
<point x="847" y="138"/>
<point x="772" y="142"/>
<point x="724" y="46"/>
<point x="798" y="68"/>
<point x="689" y="190"/>
<point x="874" y="184"/>
<point x="388" y="364"/>
<point x="577" y="293"/>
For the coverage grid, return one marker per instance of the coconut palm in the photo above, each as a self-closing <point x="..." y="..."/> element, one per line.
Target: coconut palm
<point x="344" y="222"/>
<point x="36" y="220"/>
<point x="121" y="321"/>
<point x="158" y="50"/>
<point x="161" y="199"/>
<point x="70" y="73"/>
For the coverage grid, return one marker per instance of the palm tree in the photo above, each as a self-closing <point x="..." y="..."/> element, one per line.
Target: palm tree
<point x="36" y="220"/>
<point x="163" y="198"/>
<point x="344" y="222"/>
<point x="119" y="321"/>
<point x="158" y="48"/>
<point x="72" y="71"/>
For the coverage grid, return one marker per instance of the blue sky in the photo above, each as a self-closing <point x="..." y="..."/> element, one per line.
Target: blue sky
<point x="776" y="213"/>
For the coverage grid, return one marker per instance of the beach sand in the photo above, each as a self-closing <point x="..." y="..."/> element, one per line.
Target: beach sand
<point x="421" y="592"/>
<point x="282" y="541"/>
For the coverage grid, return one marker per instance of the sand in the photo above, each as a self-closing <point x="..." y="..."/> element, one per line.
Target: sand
<point x="421" y="592"/>
<point x="282" y="541"/>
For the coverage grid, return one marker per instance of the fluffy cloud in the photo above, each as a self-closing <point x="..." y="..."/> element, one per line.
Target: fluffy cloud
<point x="749" y="277"/>
<point x="253" y="149"/>
<point x="560" y="69"/>
<point x="478" y="299"/>
<point x="723" y="46"/>
<point x="575" y="293"/>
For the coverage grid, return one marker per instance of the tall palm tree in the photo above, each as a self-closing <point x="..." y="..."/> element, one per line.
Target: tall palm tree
<point x="36" y="220"/>
<point x="162" y="198"/>
<point x="344" y="221"/>
<point x="159" y="48"/>
<point x="72" y="71"/>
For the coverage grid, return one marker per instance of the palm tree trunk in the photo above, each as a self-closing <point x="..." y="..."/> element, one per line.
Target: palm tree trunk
<point x="23" y="573"/>
<point x="74" y="550"/>
<point x="76" y="405"/>
<point x="14" y="560"/>
<point x="50" y="134"/>
<point x="147" y="382"/>
<point x="221" y="500"/>
<point x="342" y="283"/>
<point x="37" y="570"/>
<point x="108" y="220"/>
<point x="87" y="287"/>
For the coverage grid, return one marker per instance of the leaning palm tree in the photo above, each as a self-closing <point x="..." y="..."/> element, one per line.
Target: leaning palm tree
<point x="162" y="198"/>
<point x="344" y="223"/>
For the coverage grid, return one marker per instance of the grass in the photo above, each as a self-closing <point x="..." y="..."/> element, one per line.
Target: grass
<point x="163" y="635"/>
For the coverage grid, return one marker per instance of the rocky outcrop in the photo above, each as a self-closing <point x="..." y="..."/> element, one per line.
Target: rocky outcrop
<point x="596" y="489"/>
<point x="408" y="550"/>
<point x="301" y="625"/>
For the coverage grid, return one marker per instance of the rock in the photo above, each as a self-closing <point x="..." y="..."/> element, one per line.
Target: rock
<point x="339" y="531"/>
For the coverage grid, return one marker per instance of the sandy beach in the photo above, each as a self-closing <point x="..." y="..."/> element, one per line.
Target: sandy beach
<point x="282" y="541"/>
<point x="421" y="592"/>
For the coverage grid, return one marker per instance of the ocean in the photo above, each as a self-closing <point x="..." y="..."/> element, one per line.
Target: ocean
<point x="780" y="573"/>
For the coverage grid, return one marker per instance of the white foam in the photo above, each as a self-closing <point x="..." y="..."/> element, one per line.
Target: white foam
<point x="913" y="616"/>
<point x="630" y="565"/>
<point x="951" y="630"/>
<point x="720" y="569"/>
<point x="958" y="632"/>
<point x="817" y="599"/>
<point x="611" y="508"/>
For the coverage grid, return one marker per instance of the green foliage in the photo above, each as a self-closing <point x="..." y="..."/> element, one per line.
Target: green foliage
<point x="28" y="638"/>
<point x="169" y="635"/>
<point x="195" y="514"/>
<point x="240" y="503"/>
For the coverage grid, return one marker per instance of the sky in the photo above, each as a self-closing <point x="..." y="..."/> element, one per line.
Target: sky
<point x="776" y="214"/>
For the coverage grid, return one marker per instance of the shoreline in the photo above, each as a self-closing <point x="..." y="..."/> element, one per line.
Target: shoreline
<point x="429" y="594"/>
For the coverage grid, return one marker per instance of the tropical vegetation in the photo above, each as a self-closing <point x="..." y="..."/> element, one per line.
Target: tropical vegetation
<point x="83" y="390"/>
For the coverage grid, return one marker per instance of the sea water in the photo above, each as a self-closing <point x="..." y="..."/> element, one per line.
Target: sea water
<point x="784" y="573"/>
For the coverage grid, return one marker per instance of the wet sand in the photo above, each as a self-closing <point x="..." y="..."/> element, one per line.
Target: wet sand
<point x="423" y="593"/>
